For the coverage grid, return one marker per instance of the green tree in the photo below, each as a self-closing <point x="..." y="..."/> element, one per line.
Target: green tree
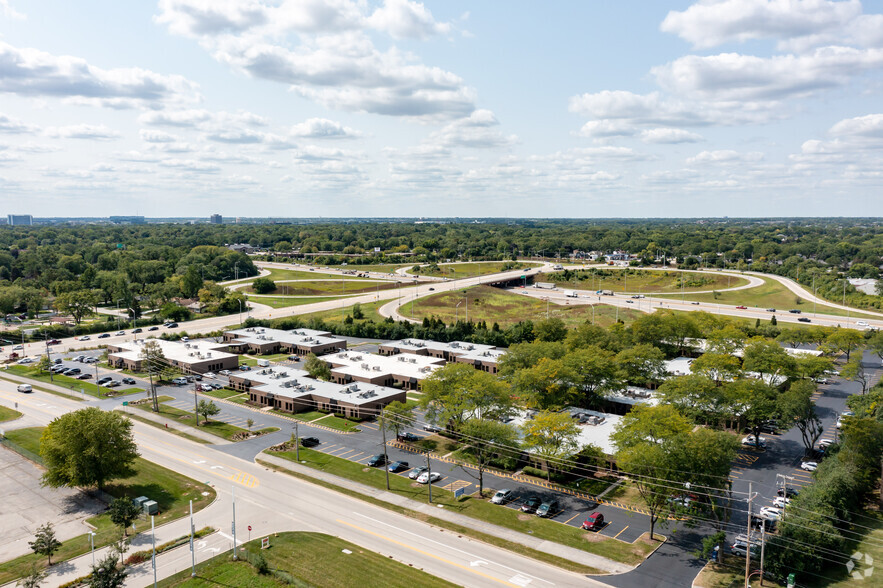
<point x="544" y="385"/>
<point x="768" y="359"/>
<point x="485" y="439"/>
<point x="108" y="573"/>
<point x="317" y="368"/>
<point x="757" y="402"/>
<point x="207" y="408"/>
<point x="458" y="392"/>
<point x="191" y="282"/>
<point x="87" y="447"/>
<point x="44" y="542"/>
<point x="552" y="436"/>
<point x="249" y="423"/>
<point x="78" y="304"/>
<point x="552" y="329"/>
<point x="642" y="365"/>
<point x="593" y="373"/>
<point x="123" y="513"/>
<point x="845" y="340"/>
<point x="719" y="367"/>
<point x="648" y="466"/>
<point x="44" y="363"/>
<point x="797" y="403"/>
<point x="34" y="577"/>
<point x="357" y="311"/>
<point x="854" y="371"/>
<point x="697" y="398"/>
<point x="397" y="416"/>
<point x="649" y="424"/>
<point x="524" y="355"/>
<point x="795" y="337"/>
<point x="263" y="286"/>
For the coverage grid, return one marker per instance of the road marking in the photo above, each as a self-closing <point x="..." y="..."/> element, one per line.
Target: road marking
<point x="353" y="457"/>
<point x="447" y="561"/>
<point x="571" y="518"/>
<point x="345" y="453"/>
<point x="620" y="533"/>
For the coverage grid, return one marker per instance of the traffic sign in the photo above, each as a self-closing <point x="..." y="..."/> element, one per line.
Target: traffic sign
<point x="249" y="527"/>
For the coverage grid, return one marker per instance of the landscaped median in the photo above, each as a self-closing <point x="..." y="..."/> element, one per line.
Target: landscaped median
<point x="217" y="428"/>
<point x="304" y="559"/>
<point x="72" y="384"/>
<point x="7" y="414"/>
<point x="170" y="490"/>
<point x="630" y="554"/>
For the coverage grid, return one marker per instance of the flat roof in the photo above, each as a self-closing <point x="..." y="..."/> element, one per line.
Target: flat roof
<point x="192" y="352"/>
<point x="634" y="395"/>
<point x="366" y="364"/>
<point x="491" y="355"/>
<point x="296" y="384"/>
<point x="456" y="347"/>
<point x="261" y="336"/>
<point x="597" y="434"/>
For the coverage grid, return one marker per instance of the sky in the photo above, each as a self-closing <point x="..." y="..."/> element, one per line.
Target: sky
<point x="396" y="108"/>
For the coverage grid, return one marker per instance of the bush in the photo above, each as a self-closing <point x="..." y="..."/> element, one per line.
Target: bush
<point x="263" y="285"/>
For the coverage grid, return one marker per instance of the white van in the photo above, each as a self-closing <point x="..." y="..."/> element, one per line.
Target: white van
<point x="264" y="362"/>
<point x="180" y="381"/>
<point x="25" y="388"/>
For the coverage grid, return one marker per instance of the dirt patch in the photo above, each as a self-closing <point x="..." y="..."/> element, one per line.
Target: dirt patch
<point x="594" y="537"/>
<point x="525" y="517"/>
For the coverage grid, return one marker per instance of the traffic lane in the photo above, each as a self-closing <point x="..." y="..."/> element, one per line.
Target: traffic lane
<point x="672" y="565"/>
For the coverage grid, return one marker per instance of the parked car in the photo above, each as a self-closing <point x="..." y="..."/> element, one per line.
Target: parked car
<point x="26" y="360"/>
<point x="84" y="376"/>
<point x="432" y="428"/>
<point x="770" y="512"/>
<point x="90" y="360"/>
<point x="548" y="509"/>
<point x="215" y="386"/>
<point x="398" y="466"/>
<point x="377" y="461"/>
<point x="825" y="443"/>
<point x="104" y="380"/>
<point x="112" y="384"/>
<point x="205" y="388"/>
<point x="781" y="501"/>
<point x="415" y="473"/>
<point x="740" y="549"/>
<point x="531" y="504"/>
<point x="244" y="368"/>
<point x="104" y="336"/>
<point x="788" y="492"/>
<point x="224" y="372"/>
<point x="750" y="441"/>
<point x="129" y="381"/>
<point x="502" y="496"/>
<point x="809" y="466"/>
<point x="428" y="478"/>
<point x="408" y="437"/>
<point x="72" y="371"/>
<point x="593" y="522"/>
<point x="309" y="441"/>
<point x="208" y="375"/>
<point x="180" y="381"/>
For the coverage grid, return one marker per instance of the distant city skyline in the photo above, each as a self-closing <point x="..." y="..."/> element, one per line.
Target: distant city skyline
<point x="394" y="108"/>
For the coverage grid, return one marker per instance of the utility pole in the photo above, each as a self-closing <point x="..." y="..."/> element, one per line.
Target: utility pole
<point x="296" y="443"/>
<point x="192" y="551"/>
<point x="385" y="457"/>
<point x="48" y="356"/>
<point x="751" y="497"/>
<point x="153" y="553"/>
<point x="762" y="548"/>
<point x="233" y="494"/>
<point x="429" y="472"/>
<point x="195" y="403"/>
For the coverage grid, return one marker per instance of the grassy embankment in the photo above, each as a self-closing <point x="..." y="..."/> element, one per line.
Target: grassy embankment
<point x="8" y="414"/>
<point x="71" y="384"/>
<point x="468" y="270"/>
<point x="170" y="490"/>
<point x="638" y="281"/>
<point x="217" y="428"/>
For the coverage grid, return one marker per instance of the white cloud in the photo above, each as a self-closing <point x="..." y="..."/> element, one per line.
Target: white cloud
<point x="150" y="136"/>
<point x="201" y="17"/>
<point x="404" y="19"/>
<point x="175" y="118"/>
<point x="476" y="131"/>
<point x="13" y="125"/>
<point x="868" y="127"/>
<point x="243" y="136"/>
<point x="599" y="129"/>
<point x="83" y="131"/>
<point x="725" y="156"/>
<point x="10" y="12"/>
<point x="30" y="72"/>
<point x="666" y="135"/>
<point x="191" y="165"/>
<point x="796" y="25"/>
<point x="322" y="128"/>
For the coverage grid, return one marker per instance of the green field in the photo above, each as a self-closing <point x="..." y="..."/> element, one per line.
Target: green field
<point x="217" y="428"/>
<point x="7" y="414"/>
<point x="369" y="310"/>
<point x="332" y="422"/>
<point x="629" y="553"/>
<point x="72" y="384"/>
<point x="312" y="559"/>
<point x="494" y="305"/>
<point x="467" y="270"/>
<point x="172" y="492"/>
<point x="636" y="281"/>
<point x="771" y="294"/>
<point x="327" y="288"/>
<point x="283" y="302"/>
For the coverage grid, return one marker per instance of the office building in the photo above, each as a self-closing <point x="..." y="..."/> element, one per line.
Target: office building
<point x="19" y="220"/>
<point x="216" y="219"/>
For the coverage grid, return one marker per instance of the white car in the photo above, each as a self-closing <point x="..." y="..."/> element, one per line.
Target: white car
<point x="118" y="333"/>
<point x="208" y="375"/>
<point x="809" y="466"/>
<point x="224" y="372"/>
<point x="749" y="440"/>
<point x="781" y="501"/>
<point x="83" y="338"/>
<point x="424" y="478"/>
<point x="502" y="496"/>
<point x="770" y="513"/>
<point x="825" y="443"/>
<point x="862" y="324"/>
<point x="25" y="360"/>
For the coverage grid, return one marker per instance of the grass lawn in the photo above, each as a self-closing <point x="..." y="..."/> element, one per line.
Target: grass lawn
<point x="369" y="311"/>
<point x="627" y="494"/>
<point x="223" y="393"/>
<point x="172" y="492"/>
<point x="7" y="414"/>
<point x="870" y="545"/>
<point x="388" y="268"/>
<point x="182" y="434"/>
<point x="332" y="421"/>
<point x="283" y="302"/>
<point x="468" y="270"/>
<point x="327" y="288"/>
<point x="641" y="281"/>
<point x="72" y="384"/>
<point x="729" y="575"/>
<point x="478" y="508"/>
<point x="315" y="559"/>
<point x="771" y="294"/>
<point x="273" y="357"/>
<point x="218" y="428"/>
<point x="505" y="308"/>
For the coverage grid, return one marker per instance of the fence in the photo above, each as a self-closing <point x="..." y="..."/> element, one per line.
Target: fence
<point x="21" y="450"/>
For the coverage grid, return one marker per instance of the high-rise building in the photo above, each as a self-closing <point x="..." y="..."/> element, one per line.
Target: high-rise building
<point x="19" y="219"/>
<point x="127" y="220"/>
<point x="217" y="219"/>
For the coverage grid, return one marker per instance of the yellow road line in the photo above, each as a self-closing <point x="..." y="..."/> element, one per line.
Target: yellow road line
<point x="353" y="457"/>
<point x="427" y="554"/>
<point x="620" y="533"/>
<point x="571" y="518"/>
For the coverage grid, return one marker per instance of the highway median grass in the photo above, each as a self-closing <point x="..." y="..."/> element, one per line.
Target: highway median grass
<point x="170" y="490"/>
<point x="456" y="271"/>
<point x="8" y="414"/>
<point x="327" y="287"/>
<point x="309" y="559"/>
<point x="636" y="280"/>
<point x="479" y="508"/>
<point x="284" y="302"/>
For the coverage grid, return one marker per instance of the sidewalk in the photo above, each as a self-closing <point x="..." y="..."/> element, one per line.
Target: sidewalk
<point x="569" y="553"/>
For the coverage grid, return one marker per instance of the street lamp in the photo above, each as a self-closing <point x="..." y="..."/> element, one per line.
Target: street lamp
<point x="92" y="542"/>
<point x="239" y="300"/>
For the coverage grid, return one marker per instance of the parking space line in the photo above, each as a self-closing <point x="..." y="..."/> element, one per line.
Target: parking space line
<point x="346" y="453"/>
<point x="360" y="460"/>
<point x="353" y="457"/>
<point x="620" y="533"/>
<point x="328" y="448"/>
<point x="571" y="518"/>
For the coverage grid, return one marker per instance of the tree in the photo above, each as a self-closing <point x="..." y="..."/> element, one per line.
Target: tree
<point x="357" y="311"/>
<point x="552" y="436"/>
<point x="642" y="365"/>
<point x="88" y="447"/>
<point x="811" y="366"/>
<point x="727" y="340"/>
<point x="757" y="403"/>
<point x="123" y="513"/>
<point x="875" y="343"/>
<point x="191" y="282"/>
<point x="317" y="368"/>
<point x="78" y="304"/>
<point x="249" y="423"/>
<point x="648" y="467"/>
<point x="768" y="359"/>
<point x="797" y="404"/>
<point x="263" y="286"/>
<point x="524" y="355"/>
<point x="207" y="408"/>
<point x="44" y="542"/>
<point x="649" y="424"/>
<point x="34" y="577"/>
<point x="854" y="371"/>
<point x="397" y="416"/>
<point x="795" y="337"/>
<point x="593" y="373"/>
<point x="153" y="358"/>
<point x="552" y="329"/>
<point x="544" y="385"/>
<point x="44" y="363"/>
<point x="697" y="398"/>
<point x="458" y="392"/>
<point x="108" y="573"/>
<point x="844" y="340"/>
<point x="486" y="438"/>
<point x="719" y="367"/>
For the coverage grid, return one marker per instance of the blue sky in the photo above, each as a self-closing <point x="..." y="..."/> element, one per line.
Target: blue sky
<point x="400" y="108"/>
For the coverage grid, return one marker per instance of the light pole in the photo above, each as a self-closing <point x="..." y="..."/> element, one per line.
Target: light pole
<point x="92" y="543"/>
<point x="239" y="300"/>
<point x="235" y="271"/>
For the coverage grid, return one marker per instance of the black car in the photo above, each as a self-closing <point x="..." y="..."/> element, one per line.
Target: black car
<point x="377" y="461"/>
<point x="803" y="319"/>
<point x="136" y="331"/>
<point x="84" y="376"/>
<point x="104" y="335"/>
<point x="129" y="381"/>
<point x="153" y="328"/>
<point x="531" y="504"/>
<point x="309" y="441"/>
<point x="104" y="380"/>
<point x="408" y="437"/>
<point x="432" y="428"/>
<point x="787" y="492"/>
<point x="398" y="466"/>
<point x="171" y="325"/>
<point x="794" y="311"/>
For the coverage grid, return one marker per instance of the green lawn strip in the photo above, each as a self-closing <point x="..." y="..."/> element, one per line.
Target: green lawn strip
<point x="772" y="294"/>
<point x="518" y="548"/>
<point x="248" y="361"/>
<point x="327" y="287"/>
<point x="8" y="414"/>
<point x="146" y="421"/>
<point x="642" y="281"/>
<point x="468" y="270"/>
<point x="729" y="575"/>
<point x="283" y="302"/>
<point x="170" y="490"/>
<point x="333" y="421"/>
<point x="217" y="428"/>
<point x="222" y="393"/>
<point x="71" y="383"/>
<point x="369" y="310"/>
<point x="312" y="559"/>
<point x="275" y="357"/>
<point x="549" y="530"/>
<point x="387" y="268"/>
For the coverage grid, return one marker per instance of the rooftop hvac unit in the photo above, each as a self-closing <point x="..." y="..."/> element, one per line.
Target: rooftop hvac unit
<point x="208" y="354"/>
<point x="365" y="366"/>
<point x="376" y="368"/>
<point x="187" y="345"/>
<point x="191" y="354"/>
<point x="413" y="360"/>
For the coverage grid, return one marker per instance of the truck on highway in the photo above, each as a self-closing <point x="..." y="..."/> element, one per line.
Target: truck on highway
<point x="570" y="294"/>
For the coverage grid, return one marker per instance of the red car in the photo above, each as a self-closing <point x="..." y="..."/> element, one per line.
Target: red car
<point x="741" y="308"/>
<point x="53" y="342"/>
<point x="594" y="522"/>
